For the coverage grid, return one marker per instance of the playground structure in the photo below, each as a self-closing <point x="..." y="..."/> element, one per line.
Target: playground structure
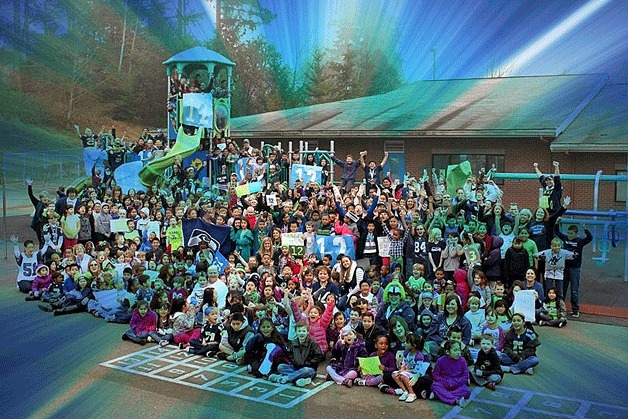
<point x="614" y="223"/>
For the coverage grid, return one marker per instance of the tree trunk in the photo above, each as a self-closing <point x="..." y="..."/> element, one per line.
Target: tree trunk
<point x="123" y="38"/>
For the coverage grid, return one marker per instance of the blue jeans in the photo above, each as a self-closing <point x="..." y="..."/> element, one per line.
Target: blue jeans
<point x="135" y="337"/>
<point x="558" y="283"/>
<point x="521" y="366"/>
<point x="294" y="374"/>
<point x="572" y="275"/>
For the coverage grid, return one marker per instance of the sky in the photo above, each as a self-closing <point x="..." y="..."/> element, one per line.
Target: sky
<point x="468" y="38"/>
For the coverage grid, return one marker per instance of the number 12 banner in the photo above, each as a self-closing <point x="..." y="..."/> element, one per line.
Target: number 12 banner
<point x="306" y="174"/>
<point x="334" y="246"/>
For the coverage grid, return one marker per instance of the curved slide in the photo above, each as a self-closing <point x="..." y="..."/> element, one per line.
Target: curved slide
<point x="185" y="145"/>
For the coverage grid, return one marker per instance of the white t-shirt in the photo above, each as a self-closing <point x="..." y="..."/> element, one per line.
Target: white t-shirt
<point x="221" y="293"/>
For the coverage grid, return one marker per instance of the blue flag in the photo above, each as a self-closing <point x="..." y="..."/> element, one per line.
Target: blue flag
<point x="221" y="263"/>
<point x="217" y="237"/>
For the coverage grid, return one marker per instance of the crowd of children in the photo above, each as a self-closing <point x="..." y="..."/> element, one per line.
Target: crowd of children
<point x="434" y="314"/>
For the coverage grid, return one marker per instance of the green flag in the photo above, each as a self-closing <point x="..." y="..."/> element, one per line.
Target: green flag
<point x="457" y="175"/>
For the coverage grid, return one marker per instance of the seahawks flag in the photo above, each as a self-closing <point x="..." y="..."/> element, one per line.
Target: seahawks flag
<point x="217" y="237"/>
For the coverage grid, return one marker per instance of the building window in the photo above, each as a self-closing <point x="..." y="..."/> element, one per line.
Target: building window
<point x="311" y="145"/>
<point x="394" y="146"/>
<point x="478" y="161"/>
<point x="621" y="188"/>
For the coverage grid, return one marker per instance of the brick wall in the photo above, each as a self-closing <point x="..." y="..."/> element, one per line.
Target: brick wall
<point x="519" y="155"/>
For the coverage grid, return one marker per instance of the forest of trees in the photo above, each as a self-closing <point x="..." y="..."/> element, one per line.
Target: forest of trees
<point x="97" y="61"/>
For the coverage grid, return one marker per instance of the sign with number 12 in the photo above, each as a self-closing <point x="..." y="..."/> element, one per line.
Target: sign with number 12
<point x="306" y="174"/>
<point x="334" y="245"/>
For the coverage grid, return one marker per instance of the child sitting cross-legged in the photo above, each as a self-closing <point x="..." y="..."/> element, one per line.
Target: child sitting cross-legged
<point x="346" y="352"/>
<point x="487" y="370"/>
<point x="142" y="323"/>
<point x="207" y="344"/>
<point x="304" y="356"/>
<point x="451" y="375"/>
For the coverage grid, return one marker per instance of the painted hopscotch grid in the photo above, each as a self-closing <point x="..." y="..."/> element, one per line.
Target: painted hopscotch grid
<point x="178" y="366"/>
<point x="509" y="403"/>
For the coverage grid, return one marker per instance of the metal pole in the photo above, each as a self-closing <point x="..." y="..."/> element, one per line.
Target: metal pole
<point x="4" y="206"/>
<point x="533" y="176"/>
<point x="626" y="239"/>
<point x="596" y="190"/>
<point x="331" y="163"/>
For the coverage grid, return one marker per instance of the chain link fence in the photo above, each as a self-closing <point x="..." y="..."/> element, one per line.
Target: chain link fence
<point x="47" y="169"/>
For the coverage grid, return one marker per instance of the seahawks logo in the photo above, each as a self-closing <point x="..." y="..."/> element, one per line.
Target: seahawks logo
<point x="199" y="236"/>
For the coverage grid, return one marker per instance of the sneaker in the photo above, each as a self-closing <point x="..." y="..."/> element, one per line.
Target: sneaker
<point x="44" y="307"/>
<point x="399" y="391"/>
<point x="575" y="314"/>
<point x="183" y="345"/>
<point x="411" y="398"/>
<point x="505" y="368"/>
<point x="404" y="396"/>
<point x="142" y="342"/>
<point x="432" y="396"/>
<point x="424" y="394"/>
<point x="462" y="402"/>
<point x="347" y="383"/>
<point x="125" y="337"/>
<point x="383" y="388"/>
<point x="31" y="298"/>
<point x="163" y="343"/>
<point x="561" y="323"/>
<point x="541" y="323"/>
<point x="359" y="382"/>
<point x="273" y="378"/>
<point x="491" y="386"/>
<point x="210" y="354"/>
<point x="303" y="382"/>
<point x="530" y="371"/>
<point x="149" y="339"/>
<point x="222" y="356"/>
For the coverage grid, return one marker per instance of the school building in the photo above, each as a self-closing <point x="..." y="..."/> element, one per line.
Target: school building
<point x="512" y="122"/>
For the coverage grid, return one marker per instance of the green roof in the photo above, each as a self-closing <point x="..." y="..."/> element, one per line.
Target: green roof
<point x="495" y="107"/>
<point x="199" y="54"/>
<point x="601" y="126"/>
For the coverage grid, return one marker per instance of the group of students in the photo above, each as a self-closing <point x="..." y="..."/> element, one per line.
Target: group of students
<point x="435" y="312"/>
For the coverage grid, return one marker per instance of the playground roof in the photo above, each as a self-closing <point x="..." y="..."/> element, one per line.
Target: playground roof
<point x="601" y="126"/>
<point x="199" y="55"/>
<point x="497" y="107"/>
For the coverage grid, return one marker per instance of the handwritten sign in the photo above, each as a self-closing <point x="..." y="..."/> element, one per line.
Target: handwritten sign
<point x="383" y="244"/>
<point x="119" y="225"/>
<point x="295" y="243"/>
<point x="524" y="303"/>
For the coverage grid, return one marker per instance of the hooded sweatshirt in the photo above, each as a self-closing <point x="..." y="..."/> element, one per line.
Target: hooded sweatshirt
<point x="145" y="324"/>
<point x="40" y="283"/>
